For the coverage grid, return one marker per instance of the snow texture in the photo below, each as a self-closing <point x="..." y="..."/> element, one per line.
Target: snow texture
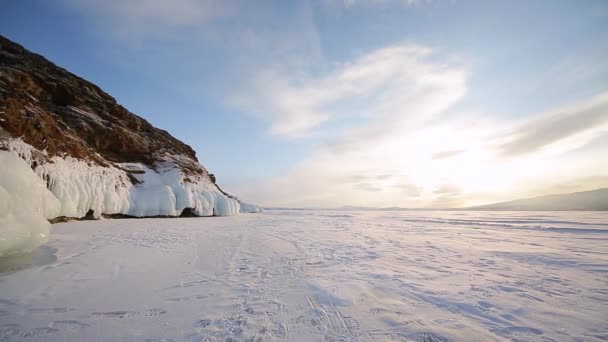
<point x="316" y="276"/>
<point x="78" y="187"/>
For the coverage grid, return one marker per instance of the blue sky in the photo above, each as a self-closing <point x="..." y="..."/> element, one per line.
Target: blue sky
<point x="361" y="102"/>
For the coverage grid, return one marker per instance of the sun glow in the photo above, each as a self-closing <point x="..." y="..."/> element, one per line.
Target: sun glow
<point x="448" y="161"/>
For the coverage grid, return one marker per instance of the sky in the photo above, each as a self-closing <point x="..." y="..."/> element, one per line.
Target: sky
<point x="326" y="103"/>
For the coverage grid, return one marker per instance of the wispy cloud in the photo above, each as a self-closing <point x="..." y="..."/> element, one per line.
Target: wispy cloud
<point x="581" y="184"/>
<point x="145" y="18"/>
<point x="448" y="189"/>
<point x="367" y="187"/>
<point x="562" y="130"/>
<point x="388" y="83"/>
<point x="351" y="3"/>
<point x="410" y="190"/>
<point x="393" y="92"/>
<point x="446" y="154"/>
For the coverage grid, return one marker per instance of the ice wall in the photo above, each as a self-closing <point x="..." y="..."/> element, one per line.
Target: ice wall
<point x="25" y="206"/>
<point x="81" y="187"/>
<point x="130" y="188"/>
<point x="164" y="192"/>
<point x="250" y="208"/>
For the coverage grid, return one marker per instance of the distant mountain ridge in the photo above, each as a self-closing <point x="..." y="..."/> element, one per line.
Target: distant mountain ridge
<point x="592" y="200"/>
<point x="585" y="200"/>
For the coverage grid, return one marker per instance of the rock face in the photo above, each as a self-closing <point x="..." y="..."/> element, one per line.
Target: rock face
<point x="91" y="153"/>
<point x="57" y="111"/>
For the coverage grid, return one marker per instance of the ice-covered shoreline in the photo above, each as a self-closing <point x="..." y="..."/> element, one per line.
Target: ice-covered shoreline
<point x="33" y="191"/>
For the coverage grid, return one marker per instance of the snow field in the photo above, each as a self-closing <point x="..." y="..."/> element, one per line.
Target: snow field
<point x="316" y="276"/>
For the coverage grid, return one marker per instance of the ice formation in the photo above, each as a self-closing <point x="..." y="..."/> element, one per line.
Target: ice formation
<point x="25" y="206"/>
<point x="164" y="193"/>
<point x="65" y="186"/>
<point x="250" y="208"/>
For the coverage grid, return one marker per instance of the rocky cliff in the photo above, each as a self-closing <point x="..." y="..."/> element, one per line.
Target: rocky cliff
<point x="91" y="154"/>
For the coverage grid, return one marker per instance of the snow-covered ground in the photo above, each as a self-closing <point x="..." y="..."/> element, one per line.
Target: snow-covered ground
<point x="315" y="276"/>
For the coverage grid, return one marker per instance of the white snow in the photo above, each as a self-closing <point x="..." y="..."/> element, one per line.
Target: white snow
<point x="250" y="208"/>
<point x="315" y="276"/>
<point x="25" y="206"/>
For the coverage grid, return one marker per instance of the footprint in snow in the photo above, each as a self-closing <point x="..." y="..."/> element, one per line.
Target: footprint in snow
<point x="8" y="331"/>
<point x="203" y="323"/>
<point x="7" y="302"/>
<point x="517" y="329"/>
<point x="420" y="337"/>
<point x="377" y="311"/>
<point x="185" y="299"/>
<point x="39" y="332"/>
<point x="68" y="324"/>
<point x="49" y="310"/>
<point x="130" y="314"/>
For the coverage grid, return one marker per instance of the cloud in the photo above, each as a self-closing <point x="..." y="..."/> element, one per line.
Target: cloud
<point x="446" y="154"/>
<point x="201" y="49"/>
<point x="580" y="184"/>
<point x="369" y="178"/>
<point x="127" y="18"/>
<point x="367" y="187"/>
<point x="405" y="145"/>
<point x="391" y="95"/>
<point x="356" y="178"/>
<point x="352" y="3"/>
<point x="410" y="190"/>
<point x="448" y="189"/>
<point x="386" y="83"/>
<point x="560" y="131"/>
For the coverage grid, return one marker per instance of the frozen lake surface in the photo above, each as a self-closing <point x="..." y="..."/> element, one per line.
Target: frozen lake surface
<point x="315" y="276"/>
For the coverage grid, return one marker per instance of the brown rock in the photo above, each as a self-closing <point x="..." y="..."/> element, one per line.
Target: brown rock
<point x="57" y="111"/>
